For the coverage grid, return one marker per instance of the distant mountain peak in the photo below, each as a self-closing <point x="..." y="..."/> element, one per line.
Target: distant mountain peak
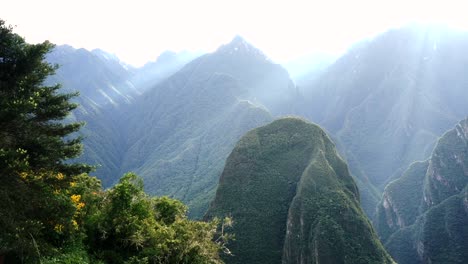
<point x="240" y="46"/>
<point x="239" y="40"/>
<point x="105" y="55"/>
<point x="166" y="56"/>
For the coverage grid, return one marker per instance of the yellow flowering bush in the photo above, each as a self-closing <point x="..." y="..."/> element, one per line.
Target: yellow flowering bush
<point x="58" y="228"/>
<point x="60" y="176"/>
<point x="75" y="198"/>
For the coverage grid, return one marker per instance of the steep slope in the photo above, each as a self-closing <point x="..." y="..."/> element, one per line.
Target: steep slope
<point x="101" y="78"/>
<point x="106" y="85"/>
<point x="164" y="66"/>
<point x="427" y="208"/>
<point x="265" y="83"/>
<point x="178" y="134"/>
<point x="193" y="129"/>
<point x="305" y="69"/>
<point x="388" y="99"/>
<point x="293" y="200"/>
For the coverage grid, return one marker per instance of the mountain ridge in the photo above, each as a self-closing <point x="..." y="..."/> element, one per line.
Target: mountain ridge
<point x="288" y="174"/>
<point x="179" y="132"/>
<point x="429" y="195"/>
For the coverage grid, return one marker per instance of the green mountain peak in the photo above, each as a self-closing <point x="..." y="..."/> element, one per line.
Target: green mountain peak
<point x="293" y="200"/>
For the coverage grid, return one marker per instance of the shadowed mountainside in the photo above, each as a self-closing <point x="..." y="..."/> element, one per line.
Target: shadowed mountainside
<point x="386" y="101"/>
<point x="423" y="215"/>
<point x="178" y="134"/>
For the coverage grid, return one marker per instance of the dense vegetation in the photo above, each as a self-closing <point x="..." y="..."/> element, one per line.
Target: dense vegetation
<point x="386" y="101"/>
<point x="51" y="211"/>
<point x="366" y="100"/>
<point x="179" y="133"/>
<point x="293" y="200"/>
<point x="106" y="84"/>
<point x="33" y="149"/>
<point x="423" y="215"/>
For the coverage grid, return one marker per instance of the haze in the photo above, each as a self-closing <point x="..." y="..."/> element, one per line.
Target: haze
<point x="138" y="31"/>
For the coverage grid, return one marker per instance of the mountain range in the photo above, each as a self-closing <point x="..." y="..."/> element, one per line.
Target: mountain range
<point x="387" y="100"/>
<point x="178" y="134"/>
<point x="384" y="103"/>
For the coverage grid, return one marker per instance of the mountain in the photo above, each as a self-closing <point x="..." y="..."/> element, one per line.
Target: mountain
<point x="387" y="99"/>
<point x="178" y="134"/>
<point x="165" y="65"/>
<point x="265" y="83"/>
<point x="101" y="78"/>
<point x="423" y="215"/>
<point x="305" y="69"/>
<point x="106" y="85"/>
<point x="293" y="200"/>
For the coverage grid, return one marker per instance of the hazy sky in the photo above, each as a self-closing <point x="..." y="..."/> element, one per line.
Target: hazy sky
<point x="139" y="30"/>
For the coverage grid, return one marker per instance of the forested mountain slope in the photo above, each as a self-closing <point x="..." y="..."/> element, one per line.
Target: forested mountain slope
<point x="101" y="78"/>
<point x="423" y="216"/>
<point x="181" y="131"/>
<point x="387" y="100"/>
<point x="106" y="85"/>
<point x="293" y="200"/>
<point x="178" y="132"/>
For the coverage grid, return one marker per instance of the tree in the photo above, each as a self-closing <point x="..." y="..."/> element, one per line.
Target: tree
<point x="36" y="144"/>
<point x="131" y="227"/>
<point x="51" y="210"/>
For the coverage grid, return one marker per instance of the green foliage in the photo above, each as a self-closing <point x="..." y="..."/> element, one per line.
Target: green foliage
<point x="35" y="146"/>
<point x="52" y="212"/>
<point x="293" y="199"/>
<point x="168" y="210"/>
<point x="183" y="129"/>
<point x="131" y="227"/>
<point x="121" y="225"/>
<point x="30" y="113"/>
<point x="72" y="255"/>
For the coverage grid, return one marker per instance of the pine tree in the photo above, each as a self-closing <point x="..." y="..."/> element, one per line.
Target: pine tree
<point x="36" y="143"/>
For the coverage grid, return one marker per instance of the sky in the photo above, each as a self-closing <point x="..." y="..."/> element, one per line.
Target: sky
<point x="137" y="31"/>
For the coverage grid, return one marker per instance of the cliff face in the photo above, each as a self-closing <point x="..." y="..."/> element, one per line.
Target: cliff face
<point x="447" y="173"/>
<point x="429" y="196"/>
<point x="293" y="200"/>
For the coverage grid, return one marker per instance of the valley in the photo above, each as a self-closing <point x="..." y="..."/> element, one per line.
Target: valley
<point x="359" y="158"/>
